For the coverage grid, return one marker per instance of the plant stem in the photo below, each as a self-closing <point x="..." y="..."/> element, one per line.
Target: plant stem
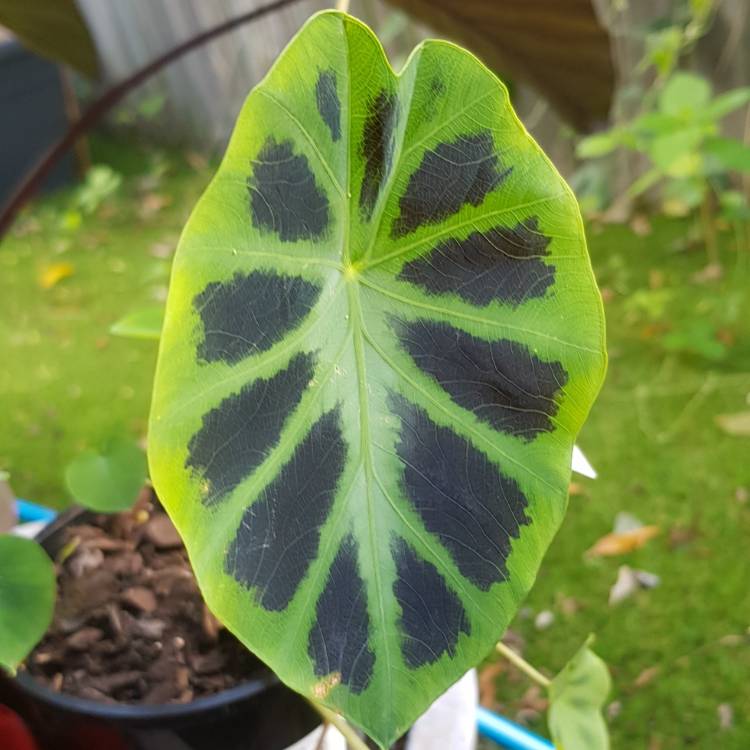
<point x="523" y="665"/>
<point x="342" y="5"/>
<point x="354" y="741"/>
<point x="709" y="229"/>
<point x="34" y="179"/>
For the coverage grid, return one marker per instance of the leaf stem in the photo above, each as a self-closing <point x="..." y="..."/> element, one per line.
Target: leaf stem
<point x="354" y="741"/>
<point x="523" y="665"/>
<point x="708" y="227"/>
<point x="342" y="5"/>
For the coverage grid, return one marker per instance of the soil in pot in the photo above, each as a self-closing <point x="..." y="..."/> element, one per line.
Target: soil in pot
<point x="130" y="624"/>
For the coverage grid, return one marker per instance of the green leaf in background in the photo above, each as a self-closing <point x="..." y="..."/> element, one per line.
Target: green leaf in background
<point x="731" y="154"/>
<point x="27" y="598"/>
<point x="734" y="205"/>
<point x="100" y="183"/>
<point x="109" y="481"/>
<point x="382" y="337"/>
<point x="681" y="196"/>
<point x="696" y="337"/>
<point x="53" y="28"/>
<point x="674" y="153"/>
<point x="577" y="696"/>
<point x="684" y="94"/>
<point x="599" y="144"/>
<point x="145" y="323"/>
<point x="727" y="102"/>
<point x="656" y="124"/>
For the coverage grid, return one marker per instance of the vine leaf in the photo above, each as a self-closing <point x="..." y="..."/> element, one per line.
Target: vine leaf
<point x="381" y="339"/>
<point x="577" y="695"/>
<point x="27" y="597"/>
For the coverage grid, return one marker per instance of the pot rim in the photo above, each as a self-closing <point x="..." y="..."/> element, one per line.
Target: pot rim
<point x="140" y="711"/>
<point x="128" y="711"/>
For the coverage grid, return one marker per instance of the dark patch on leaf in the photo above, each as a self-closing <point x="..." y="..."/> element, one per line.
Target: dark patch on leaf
<point x="284" y="196"/>
<point x="432" y="616"/>
<point x="501" y="382"/>
<point x="250" y="313"/>
<point x="377" y="148"/>
<point x="503" y="264"/>
<point x="450" y="176"/>
<point x="338" y="640"/>
<point x="328" y="102"/>
<point x="279" y="535"/>
<point x="460" y="495"/>
<point x="237" y="435"/>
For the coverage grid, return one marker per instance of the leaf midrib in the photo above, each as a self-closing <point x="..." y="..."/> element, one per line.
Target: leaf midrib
<point x="355" y="320"/>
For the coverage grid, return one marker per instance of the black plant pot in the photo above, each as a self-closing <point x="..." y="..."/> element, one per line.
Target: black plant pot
<point x="260" y="714"/>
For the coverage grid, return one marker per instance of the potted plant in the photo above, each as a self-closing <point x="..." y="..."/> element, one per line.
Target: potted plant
<point x="381" y="339"/>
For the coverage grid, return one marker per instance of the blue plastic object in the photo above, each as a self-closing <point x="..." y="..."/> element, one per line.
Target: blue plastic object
<point x="508" y="734"/>
<point x="28" y="512"/>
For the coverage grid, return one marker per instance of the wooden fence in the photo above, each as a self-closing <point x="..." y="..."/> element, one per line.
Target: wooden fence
<point x="202" y="92"/>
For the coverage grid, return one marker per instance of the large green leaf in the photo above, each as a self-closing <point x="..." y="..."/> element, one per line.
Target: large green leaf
<point x="561" y="47"/>
<point x="53" y="28"/>
<point x="381" y="338"/>
<point x="27" y="597"/>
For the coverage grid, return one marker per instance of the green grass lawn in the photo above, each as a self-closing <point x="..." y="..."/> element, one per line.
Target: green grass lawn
<point x="679" y="355"/>
<point x="67" y="384"/>
<point x="661" y="457"/>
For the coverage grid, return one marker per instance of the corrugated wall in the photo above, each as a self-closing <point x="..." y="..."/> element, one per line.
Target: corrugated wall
<point x="204" y="90"/>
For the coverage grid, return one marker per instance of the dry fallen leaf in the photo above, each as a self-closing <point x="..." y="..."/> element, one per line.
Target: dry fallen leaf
<point x="640" y="225"/>
<point x="655" y="278"/>
<point x="726" y="716"/>
<point x="625" y="585"/>
<point x="544" y="619"/>
<point x="54" y="273"/>
<point x="567" y="605"/>
<point x="726" y="336"/>
<point x="488" y="683"/>
<point x="608" y="294"/>
<point x="629" y="581"/>
<point x="196" y="160"/>
<point x="679" y="536"/>
<point x="646" y="676"/>
<point x="732" y="640"/>
<point x="614" y="709"/>
<point x="533" y="700"/>
<point x="736" y="425"/>
<point x="162" y="250"/>
<point x="622" y="542"/>
<point x="625" y="521"/>
<point x="152" y="203"/>
<point x="712" y="272"/>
